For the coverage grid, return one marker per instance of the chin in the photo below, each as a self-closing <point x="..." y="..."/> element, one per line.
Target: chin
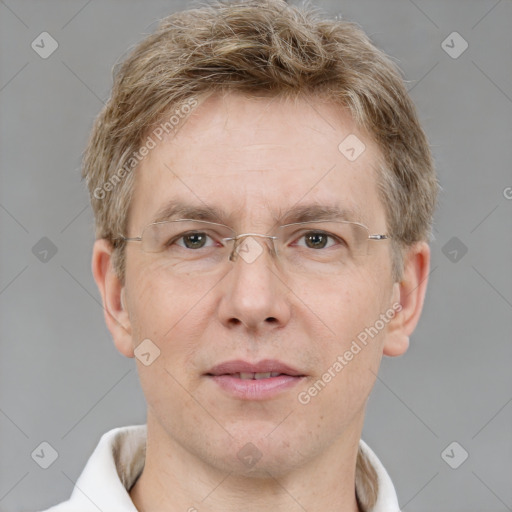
<point x="257" y="455"/>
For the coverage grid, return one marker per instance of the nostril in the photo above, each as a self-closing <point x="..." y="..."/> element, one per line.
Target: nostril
<point x="271" y="319"/>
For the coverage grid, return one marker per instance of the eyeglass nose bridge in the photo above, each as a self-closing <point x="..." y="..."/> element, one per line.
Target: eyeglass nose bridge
<point x="234" y="253"/>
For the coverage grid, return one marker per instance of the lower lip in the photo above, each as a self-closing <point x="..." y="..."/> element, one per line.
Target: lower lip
<point x="255" y="389"/>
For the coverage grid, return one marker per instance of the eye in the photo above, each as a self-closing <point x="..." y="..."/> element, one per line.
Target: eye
<point x="317" y="239"/>
<point x="193" y="240"/>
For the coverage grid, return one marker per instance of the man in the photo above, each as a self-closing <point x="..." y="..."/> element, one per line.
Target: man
<point x="263" y="195"/>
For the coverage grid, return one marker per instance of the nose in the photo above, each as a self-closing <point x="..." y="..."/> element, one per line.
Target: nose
<point x="254" y="293"/>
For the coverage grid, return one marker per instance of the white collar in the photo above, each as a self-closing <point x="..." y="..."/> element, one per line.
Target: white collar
<point x="119" y="458"/>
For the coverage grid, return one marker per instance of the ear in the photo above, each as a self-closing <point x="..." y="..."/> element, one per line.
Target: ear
<point x="410" y="294"/>
<point x="112" y="291"/>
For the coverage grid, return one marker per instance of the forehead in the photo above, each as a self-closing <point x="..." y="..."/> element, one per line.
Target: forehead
<point x="252" y="157"/>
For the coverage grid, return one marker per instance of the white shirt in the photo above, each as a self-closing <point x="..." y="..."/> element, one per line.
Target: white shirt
<point x="119" y="459"/>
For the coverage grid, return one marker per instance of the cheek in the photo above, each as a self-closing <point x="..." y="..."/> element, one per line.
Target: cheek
<point x="341" y="307"/>
<point x="159" y="303"/>
<point x="350" y="346"/>
<point x="171" y="313"/>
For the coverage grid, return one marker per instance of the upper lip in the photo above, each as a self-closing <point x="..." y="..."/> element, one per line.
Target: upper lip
<point x="264" y="366"/>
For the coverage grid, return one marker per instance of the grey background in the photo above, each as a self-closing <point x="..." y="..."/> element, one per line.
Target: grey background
<point x="63" y="382"/>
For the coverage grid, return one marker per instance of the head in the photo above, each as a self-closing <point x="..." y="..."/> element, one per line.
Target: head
<point x="243" y="108"/>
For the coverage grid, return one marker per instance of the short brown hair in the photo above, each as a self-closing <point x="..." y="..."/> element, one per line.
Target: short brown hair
<point x="261" y="47"/>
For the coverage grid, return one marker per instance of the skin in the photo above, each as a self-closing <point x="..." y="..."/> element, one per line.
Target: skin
<point x="253" y="156"/>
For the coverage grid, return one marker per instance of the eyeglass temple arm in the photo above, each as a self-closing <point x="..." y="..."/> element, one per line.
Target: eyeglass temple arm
<point x="127" y="239"/>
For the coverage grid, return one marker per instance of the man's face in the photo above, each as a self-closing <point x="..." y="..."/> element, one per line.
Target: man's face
<point x="256" y="159"/>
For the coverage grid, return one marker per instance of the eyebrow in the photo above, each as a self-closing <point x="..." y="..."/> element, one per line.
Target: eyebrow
<point x="316" y="211"/>
<point x="177" y="209"/>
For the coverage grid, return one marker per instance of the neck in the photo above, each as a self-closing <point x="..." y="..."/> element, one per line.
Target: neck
<point x="175" y="480"/>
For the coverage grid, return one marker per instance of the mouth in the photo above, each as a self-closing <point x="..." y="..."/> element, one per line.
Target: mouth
<point x="254" y="381"/>
<point x="255" y="375"/>
<point x="244" y="370"/>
